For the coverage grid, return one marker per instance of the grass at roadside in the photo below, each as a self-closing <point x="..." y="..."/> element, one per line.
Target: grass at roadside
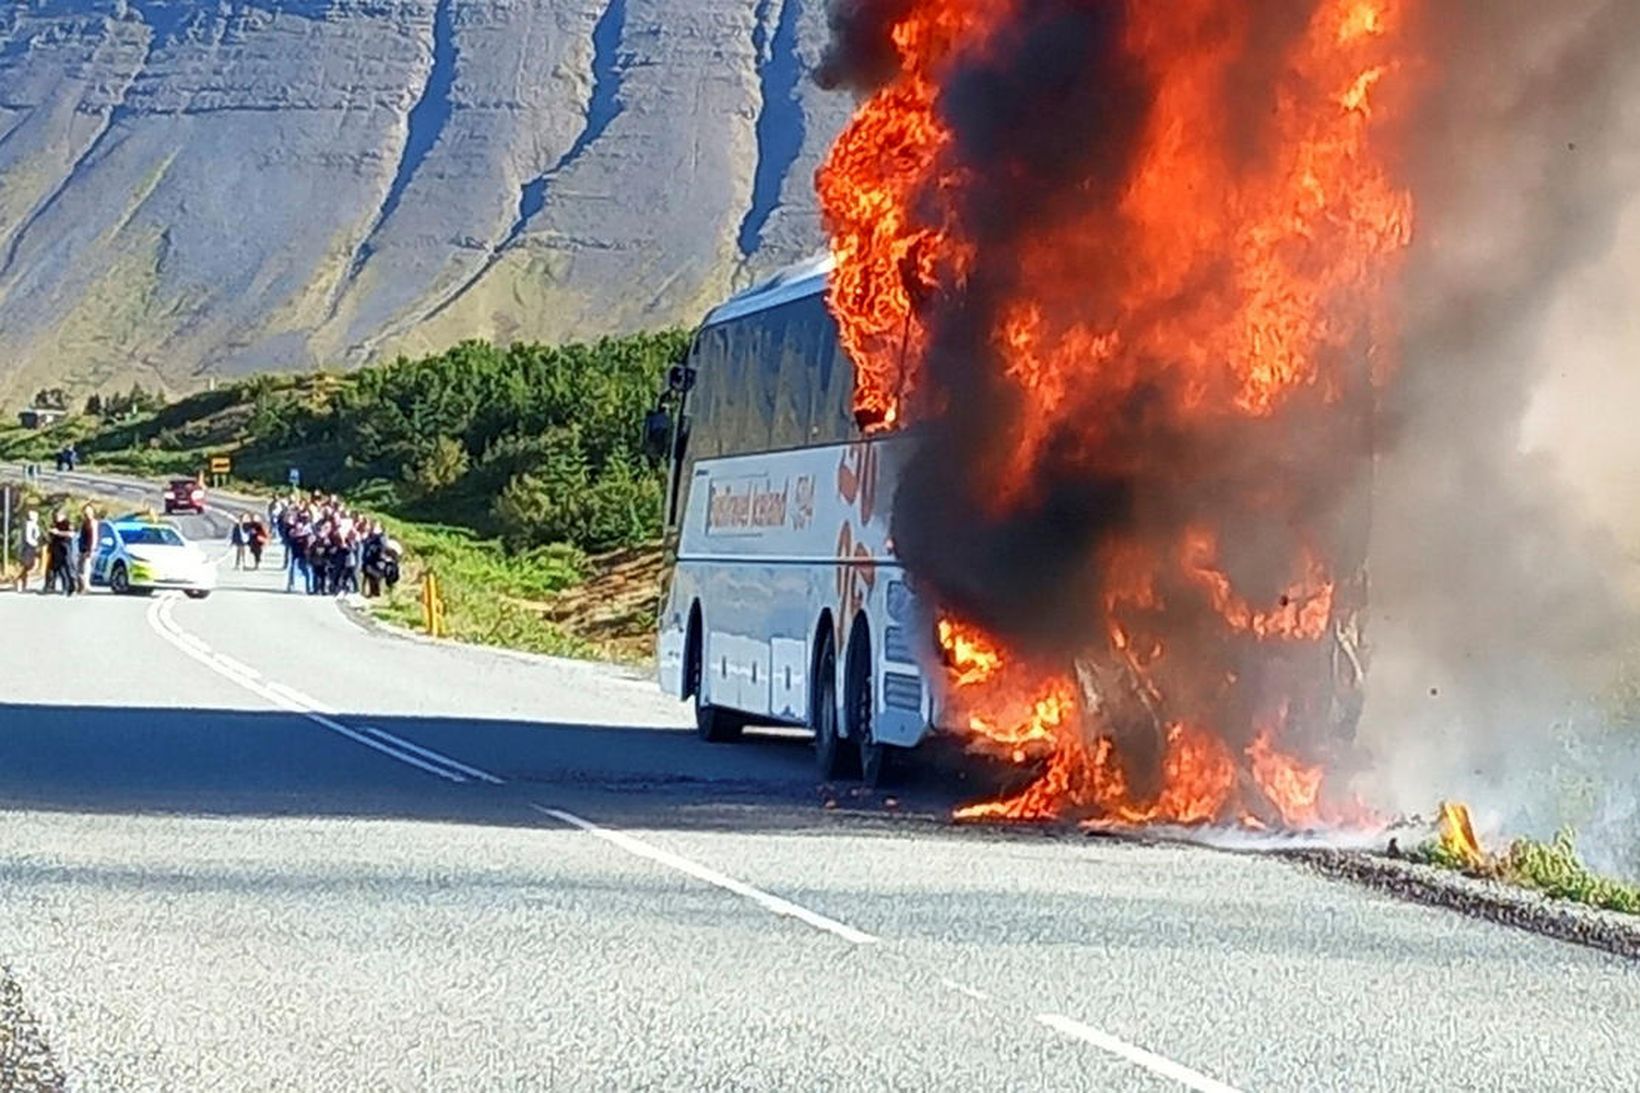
<point x="487" y="592"/>
<point x="553" y="600"/>
<point x="1552" y="868"/>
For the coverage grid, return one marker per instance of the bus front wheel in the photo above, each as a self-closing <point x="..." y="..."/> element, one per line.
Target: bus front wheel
<point x="714" y="725"/>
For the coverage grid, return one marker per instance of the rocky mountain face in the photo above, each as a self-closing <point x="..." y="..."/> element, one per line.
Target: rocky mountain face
<point x="212" y="187"/>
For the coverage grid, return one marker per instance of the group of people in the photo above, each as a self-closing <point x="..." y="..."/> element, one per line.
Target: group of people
<point x="330" y="550"/>
<point x="66" y="546"/>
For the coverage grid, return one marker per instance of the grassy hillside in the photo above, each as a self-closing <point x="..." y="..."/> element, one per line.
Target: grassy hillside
<point x="516" y="473"/>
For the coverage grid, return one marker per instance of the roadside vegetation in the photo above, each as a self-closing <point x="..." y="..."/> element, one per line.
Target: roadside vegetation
<point x="516" y="474"/>
<point x="1552" y="868"/>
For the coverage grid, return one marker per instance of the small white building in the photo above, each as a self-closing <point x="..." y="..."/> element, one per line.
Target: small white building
<point x="38" y="417"/>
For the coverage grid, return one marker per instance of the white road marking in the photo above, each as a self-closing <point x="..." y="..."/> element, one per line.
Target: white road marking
<point x="163" y="624"/>
<point x="640" y="849"/>
<point x="481" y="775"/>
<point x="1138" y="1056"/>
<point x="301" y="699"/>
<point x="235" y="666"/>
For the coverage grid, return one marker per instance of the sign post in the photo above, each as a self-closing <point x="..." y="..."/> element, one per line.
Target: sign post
<point x="294" y="477"/>
<point x="221" y="466"/>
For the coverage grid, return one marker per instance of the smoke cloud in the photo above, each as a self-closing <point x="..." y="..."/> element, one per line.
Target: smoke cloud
<point x="1481" y="493"/>
<point x="1502" y="609"/>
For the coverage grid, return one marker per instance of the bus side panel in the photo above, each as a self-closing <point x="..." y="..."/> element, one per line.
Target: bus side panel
<point x="757" y="621"/>
<point x="768" y="544"/>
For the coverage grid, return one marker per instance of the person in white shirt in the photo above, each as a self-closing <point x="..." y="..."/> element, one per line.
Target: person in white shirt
<point x="29" y="556"/>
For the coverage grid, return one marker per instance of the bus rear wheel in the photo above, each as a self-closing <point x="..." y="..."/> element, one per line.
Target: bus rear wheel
<point x="832" y="755"/>
<point x="713" y="725"/>
<point x="860" y="709"/>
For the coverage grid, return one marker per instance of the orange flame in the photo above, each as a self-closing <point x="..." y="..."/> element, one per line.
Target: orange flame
<point x="1232" y="276"/>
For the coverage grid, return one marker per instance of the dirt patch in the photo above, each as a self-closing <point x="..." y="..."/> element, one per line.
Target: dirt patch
<point x="615" y="607"/>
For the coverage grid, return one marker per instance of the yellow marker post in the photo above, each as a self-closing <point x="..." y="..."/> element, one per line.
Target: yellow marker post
<point x="432" y="606"/>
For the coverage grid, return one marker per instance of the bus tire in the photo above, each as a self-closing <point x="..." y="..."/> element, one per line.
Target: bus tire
<point x="717" y="726"/>
<point x="832" y="756"/>
<point x="713" y="725"/>
<point x="859" y="707"/>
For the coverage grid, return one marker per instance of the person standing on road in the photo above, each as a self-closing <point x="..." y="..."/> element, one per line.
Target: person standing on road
<point x="85" y="548"/>
<point x="237" y="537"/>
<point x="256" y="538"/>
<point x="296" y="549"/>
<point x="60" y="554"/>
<point x="29" y="555"/>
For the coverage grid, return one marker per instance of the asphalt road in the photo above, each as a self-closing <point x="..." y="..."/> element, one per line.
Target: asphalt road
<point x="251" y="844"/>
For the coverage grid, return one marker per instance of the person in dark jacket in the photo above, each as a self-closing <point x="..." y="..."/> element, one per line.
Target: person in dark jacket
<point x="60" y="554"/>
<point x="256" y="540"/>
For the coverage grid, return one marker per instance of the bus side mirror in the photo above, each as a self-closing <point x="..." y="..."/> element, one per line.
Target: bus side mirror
<point x="657" y="434"/>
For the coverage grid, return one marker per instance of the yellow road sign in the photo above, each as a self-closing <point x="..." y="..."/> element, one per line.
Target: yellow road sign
<point x="220" y="464"/>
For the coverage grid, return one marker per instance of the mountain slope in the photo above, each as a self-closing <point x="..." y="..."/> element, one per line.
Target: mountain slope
<point x="190" y="189"/>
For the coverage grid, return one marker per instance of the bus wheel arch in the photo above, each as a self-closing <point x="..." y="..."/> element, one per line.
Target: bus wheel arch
<point x="859" y="701"/>
<point x="694" y="654"/>
<point x="713" y="724"/>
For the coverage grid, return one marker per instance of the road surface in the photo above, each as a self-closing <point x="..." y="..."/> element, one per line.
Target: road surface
<point x="251" y="844"/>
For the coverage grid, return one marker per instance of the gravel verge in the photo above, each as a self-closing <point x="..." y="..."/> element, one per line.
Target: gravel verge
<point x="1491" y="900"/>
<point x="26" y="1064"/>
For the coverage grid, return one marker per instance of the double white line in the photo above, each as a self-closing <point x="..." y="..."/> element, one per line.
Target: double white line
<point x="287" y="698"/>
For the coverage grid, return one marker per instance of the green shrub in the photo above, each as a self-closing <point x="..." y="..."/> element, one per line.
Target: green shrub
<point x="441" y="467"/>
<point x="1555" y="870"/>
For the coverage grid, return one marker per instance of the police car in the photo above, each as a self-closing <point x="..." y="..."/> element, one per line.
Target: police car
<point x="140" y="554"/>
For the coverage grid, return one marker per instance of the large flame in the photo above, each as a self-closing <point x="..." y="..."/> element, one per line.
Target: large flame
<point x="1234" y="283"/>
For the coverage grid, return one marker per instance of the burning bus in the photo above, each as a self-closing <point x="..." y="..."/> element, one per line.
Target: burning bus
<point x="787" y="603"/>
<point x="1113" y="288"/>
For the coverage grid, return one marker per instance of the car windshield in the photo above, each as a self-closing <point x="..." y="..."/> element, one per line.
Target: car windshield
<point x="156" y="535"/>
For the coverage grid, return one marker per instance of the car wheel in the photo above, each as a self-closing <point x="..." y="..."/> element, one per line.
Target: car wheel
<point x="196" y="593"/>
<point x="119" y="581"/>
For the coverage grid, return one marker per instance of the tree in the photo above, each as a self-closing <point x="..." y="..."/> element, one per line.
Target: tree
<point x="442" y="466"/>
<point x="94" y="406"/>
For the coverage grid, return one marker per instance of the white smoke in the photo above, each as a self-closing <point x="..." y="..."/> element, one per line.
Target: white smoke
<point x="1506" y="543"/>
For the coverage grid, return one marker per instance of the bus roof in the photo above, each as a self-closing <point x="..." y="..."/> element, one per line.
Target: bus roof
<point x="792" y="283"/>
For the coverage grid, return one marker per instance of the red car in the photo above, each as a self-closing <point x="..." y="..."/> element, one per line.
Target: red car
<point x="184" y="495"/>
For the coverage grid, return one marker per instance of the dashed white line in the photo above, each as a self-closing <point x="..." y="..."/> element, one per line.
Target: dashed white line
<point x="286" y="698"/>
<point x="1138" y="1056"/>
<point x="159" y="618"/>
<point x="640" y="849"/>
